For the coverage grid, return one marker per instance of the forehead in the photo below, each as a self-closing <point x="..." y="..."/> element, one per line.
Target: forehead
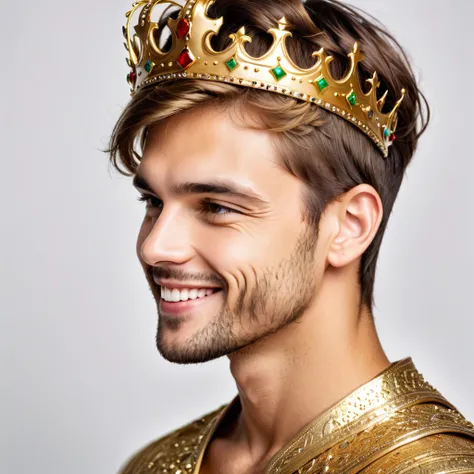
<point x="208" y="143"/>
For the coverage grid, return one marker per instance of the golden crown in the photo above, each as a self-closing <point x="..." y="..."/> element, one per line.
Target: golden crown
<point x="192" y="56"/>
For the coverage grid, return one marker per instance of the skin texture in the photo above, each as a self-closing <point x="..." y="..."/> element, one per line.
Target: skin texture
<point x="289" y="315"/>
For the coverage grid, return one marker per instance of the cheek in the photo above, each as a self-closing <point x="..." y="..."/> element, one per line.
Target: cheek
<point x="239" y="262"/>
<point x="229" y="250"/>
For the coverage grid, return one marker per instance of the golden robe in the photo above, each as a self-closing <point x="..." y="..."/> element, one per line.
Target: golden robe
<point x="396" y="423"/>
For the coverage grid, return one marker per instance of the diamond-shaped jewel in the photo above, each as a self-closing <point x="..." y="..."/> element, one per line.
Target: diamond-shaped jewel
<point x="185" y="58"/>
<point x="322" y="83"/>
<point x="386" y="133"/>
<point x="232" y="63"/>
<point x="149" y="66"/>
<point x="278" y="73"/>
<point x="131" y="77"/>
<point x="183" y="28"/>
<point x="351" y="98"/>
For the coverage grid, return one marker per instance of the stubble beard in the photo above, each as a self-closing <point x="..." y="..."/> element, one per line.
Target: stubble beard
<point x="289" y="288"/>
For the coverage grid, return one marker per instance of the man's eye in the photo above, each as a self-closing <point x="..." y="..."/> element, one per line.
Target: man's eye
<point x="207" y="207"/>
<point x="213" y="208"/>
<point x="145" y="198"/>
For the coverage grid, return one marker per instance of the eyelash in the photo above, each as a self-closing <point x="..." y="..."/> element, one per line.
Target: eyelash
<point x="204" y="207"/>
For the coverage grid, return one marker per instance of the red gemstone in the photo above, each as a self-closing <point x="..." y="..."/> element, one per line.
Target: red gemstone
<point x="131" y="78"/>
<point x="185" y="59"/>
<point x="183" y="28"/>
<point x="392" y="137"/>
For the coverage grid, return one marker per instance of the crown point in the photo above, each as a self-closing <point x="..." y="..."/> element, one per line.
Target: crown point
<point x="282" y="23"/>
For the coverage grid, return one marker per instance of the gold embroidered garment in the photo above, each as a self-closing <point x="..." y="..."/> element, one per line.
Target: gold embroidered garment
<point x="396" y="423"/>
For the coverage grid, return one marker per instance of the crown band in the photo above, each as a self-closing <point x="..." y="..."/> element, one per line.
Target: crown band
<point x="192" y="56"/>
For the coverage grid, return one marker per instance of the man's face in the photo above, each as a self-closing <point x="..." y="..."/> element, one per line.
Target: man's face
<point x="258" y="252"/>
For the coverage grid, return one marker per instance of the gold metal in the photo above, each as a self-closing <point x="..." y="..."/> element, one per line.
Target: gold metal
<point x="396" y="423"/>
<point x="274" y="71"/>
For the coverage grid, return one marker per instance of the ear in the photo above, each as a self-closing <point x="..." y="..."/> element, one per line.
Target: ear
<point x="358" y="215"/>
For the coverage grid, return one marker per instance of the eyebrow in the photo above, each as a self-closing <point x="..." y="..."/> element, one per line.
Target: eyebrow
<point x="215" y="186"/>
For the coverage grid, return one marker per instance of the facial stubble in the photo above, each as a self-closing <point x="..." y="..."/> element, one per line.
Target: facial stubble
<point x="288" y="287"/>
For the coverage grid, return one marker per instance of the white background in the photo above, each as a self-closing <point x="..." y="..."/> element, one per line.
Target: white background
<point x="82" y="385"/>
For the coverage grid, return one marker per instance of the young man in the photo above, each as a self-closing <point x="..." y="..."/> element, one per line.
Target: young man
<point x="275" y="136"/>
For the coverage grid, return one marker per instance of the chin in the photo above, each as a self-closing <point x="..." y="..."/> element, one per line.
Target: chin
<point x="198" y="346"/>
<point x="178" y="340"/>
<point x="182" y="353"/>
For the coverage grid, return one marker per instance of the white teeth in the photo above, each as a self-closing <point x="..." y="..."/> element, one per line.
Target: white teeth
<point x="184" y="294"/>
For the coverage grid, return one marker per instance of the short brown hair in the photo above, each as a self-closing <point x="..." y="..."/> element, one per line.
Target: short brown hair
<point x="327" y="153"/>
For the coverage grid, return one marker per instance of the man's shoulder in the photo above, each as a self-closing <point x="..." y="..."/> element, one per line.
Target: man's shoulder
<point x="177" y="448"/>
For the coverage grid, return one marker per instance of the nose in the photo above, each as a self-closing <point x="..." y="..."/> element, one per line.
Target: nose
<point x="165" y="238"/>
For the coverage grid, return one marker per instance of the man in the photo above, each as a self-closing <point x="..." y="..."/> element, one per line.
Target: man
<point x="271" y="162"/>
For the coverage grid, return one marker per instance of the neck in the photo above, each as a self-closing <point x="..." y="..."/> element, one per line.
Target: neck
<point x="288" y="379"/>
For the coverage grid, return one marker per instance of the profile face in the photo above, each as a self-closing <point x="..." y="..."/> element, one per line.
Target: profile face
<point x="258" y="254"/>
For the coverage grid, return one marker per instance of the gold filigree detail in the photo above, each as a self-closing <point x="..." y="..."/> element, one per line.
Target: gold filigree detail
<point x="436" y="453"/>
<point x="380" y="428"/>
<point x="178" y="452"/>
<point x="395" y="430"/>
<point x="399" y="386"/>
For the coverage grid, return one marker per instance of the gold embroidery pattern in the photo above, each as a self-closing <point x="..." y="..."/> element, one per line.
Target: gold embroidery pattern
<point x="175" y="453"/>
<point x="399" y="386"/>
<point x="445" y="465"/>
<point x="369" y="431"/>
<point x="433" y="454"/>
<point x="399" y="428"/>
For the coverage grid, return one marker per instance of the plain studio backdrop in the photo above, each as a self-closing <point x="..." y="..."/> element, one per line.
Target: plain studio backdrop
<point x="82" y="384"/>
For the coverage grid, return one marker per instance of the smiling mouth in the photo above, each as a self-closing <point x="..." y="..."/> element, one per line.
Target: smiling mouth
<point x="177" y="307"/>
<point x="209" y="292"/>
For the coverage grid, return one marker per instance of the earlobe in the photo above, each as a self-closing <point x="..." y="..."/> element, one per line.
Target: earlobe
<point x="359" y="214"/>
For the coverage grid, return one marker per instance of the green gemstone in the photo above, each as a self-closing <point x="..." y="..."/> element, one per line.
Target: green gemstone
<point x="278" y="73"/>
<point x="386" y="132"/>
<point x="351" y="98"/>
<point x="322" y="83"/>
<point x="149" y="66"/>
<point x="232" y="64"/>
